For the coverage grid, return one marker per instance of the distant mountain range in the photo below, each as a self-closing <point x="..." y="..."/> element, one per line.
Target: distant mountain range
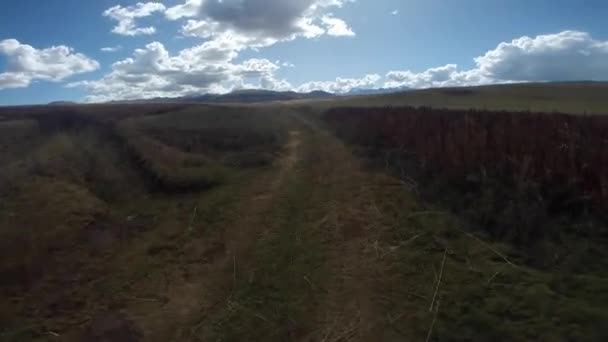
<point x="62" y="103"/>
<point x="252" y="96"/>
<point x="377" y="91"/>
<point x="239" y="96"/>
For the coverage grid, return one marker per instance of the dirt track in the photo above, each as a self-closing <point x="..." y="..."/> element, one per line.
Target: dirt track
<point x="316" y="198"/>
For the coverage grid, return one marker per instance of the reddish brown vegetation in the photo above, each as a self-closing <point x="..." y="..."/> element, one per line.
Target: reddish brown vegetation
<point x="567" y="155"/>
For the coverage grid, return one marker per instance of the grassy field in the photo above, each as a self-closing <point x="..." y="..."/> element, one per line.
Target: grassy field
<point x="265" y="223"/>
<point x="574" y="98"/>
<point x="79" y="190"/>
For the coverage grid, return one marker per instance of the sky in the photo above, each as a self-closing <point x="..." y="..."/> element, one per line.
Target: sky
<point x="103" y="50"/>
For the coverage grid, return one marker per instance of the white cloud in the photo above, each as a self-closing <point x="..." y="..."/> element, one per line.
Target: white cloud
<point x="111" y="48"/>
<point x="126" y="16"/>
<point x="26" y="64"/>
<point x="443" y="76"/>
<point x="231" y="26"/>
<point x="569" y="55"/>
<point x="200" y="28"/>
<point x="260" y="23"/>
<point x="227" y="27"/>
<point x="336" y="27"/>
<point x="257" y="67"/>
<point x="14" y="80"/>
<point x="565" y="56"/>
<point x="271" y="18"/>
<point x="395" y="12"/>
<point x="269" y="82"/>
<point x="285" y="64"/>
<point x="222" y="49"/>
<point x="153" y="72"/>
<point x="342" y="85"/>
<point x="207" y="68"/>
<point x="188" y="9"/>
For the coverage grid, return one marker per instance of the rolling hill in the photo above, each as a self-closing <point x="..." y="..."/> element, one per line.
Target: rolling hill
<point x="238" y="96"/>
<point x="567" y="97"/>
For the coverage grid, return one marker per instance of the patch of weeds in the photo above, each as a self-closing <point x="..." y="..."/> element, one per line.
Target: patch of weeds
<point x="480" y="297"/>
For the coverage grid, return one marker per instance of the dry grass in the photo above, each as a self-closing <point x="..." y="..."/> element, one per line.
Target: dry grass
<point x="574" y="98"/>
<point x="76" y="204"/>
<point x="313" y="246"/>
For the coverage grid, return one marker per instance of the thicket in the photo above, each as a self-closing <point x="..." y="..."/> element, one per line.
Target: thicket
<point x="513" y="172"/>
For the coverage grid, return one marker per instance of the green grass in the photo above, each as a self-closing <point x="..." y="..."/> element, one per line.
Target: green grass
<point x="480" y="296"/>
<point x="174" y="228"/>
<point x="278" y="290"/>
<point x="75" y="203"/>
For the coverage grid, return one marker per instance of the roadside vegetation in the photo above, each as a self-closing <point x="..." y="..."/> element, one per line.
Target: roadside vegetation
<point x="525" y="187"/>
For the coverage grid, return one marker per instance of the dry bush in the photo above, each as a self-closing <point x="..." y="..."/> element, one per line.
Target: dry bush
<point x="565" y="154"/>
<point x="520" y="177"/>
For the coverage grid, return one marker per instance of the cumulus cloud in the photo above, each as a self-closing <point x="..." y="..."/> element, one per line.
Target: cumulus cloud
<point x="153" y="72"/>
<point x="270" y="82"/>
<point x="443" y="76"/>
<point x="256" y="67"/>
<point x="269" y="18"/>
<point x="207" y="68"/>
<point x="188" y="9"/>
<point x="126" y="16"/>
<point x="26" y="64"/>
<point x="342" y="85"/>
<point x="260" y="23"/>
<point x="336" y="26"/>
<point x="564" y="56"/>
<point x="569" y="55"/>
<point x="14" y="80"/>
<point x="227" y="27"/>
<point x="200" y="28"/>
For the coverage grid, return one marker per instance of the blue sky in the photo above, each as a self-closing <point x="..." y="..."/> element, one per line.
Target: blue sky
<point x="51" y="50"/>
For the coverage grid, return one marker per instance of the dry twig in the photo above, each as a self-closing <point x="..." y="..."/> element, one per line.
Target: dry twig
<point x="487" y="246"/>
<point x="430" y="333"/>
<point x="445" y="253"/>
<point x="234" y="271"/>
<point x="428" y="212"/>
<point x="494" y="276"/>
<point x="190" y="227"/>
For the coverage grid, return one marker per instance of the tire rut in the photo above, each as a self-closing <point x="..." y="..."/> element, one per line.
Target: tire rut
<point x="194" y="290"/>
<point x="350" y="311"/>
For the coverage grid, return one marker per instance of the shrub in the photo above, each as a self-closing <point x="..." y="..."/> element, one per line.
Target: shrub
<point x="566" y="155"/>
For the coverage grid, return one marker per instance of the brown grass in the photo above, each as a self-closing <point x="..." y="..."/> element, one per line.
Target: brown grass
<point x="565" y="154"/>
